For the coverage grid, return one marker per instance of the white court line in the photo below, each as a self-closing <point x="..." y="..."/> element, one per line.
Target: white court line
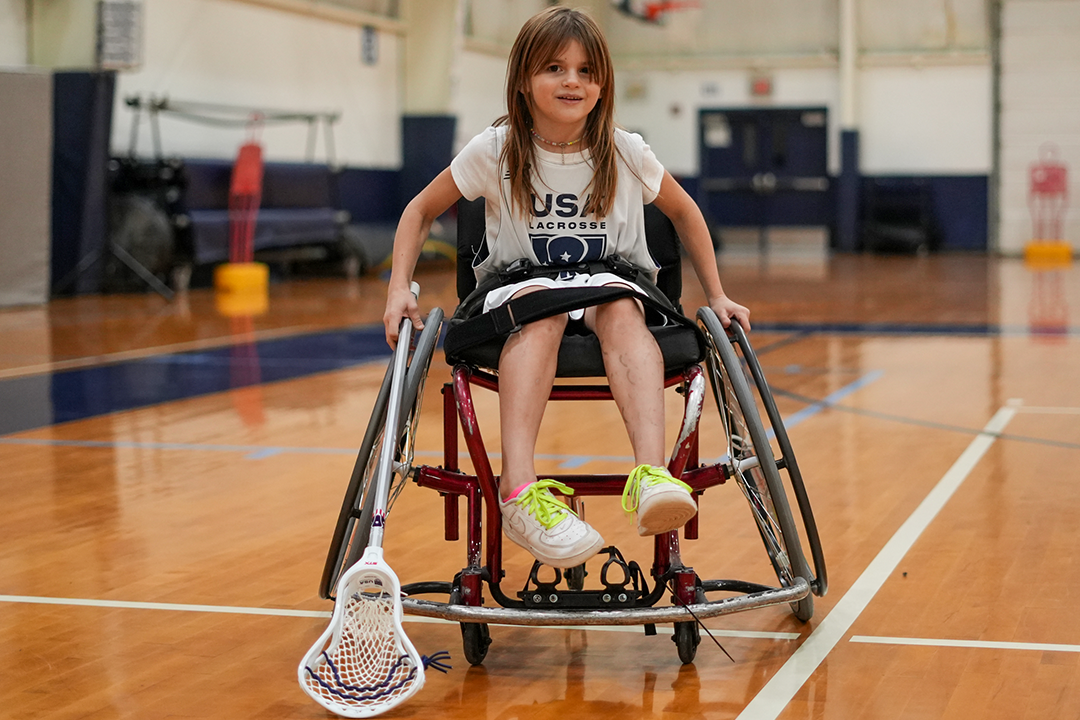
<point x="1036" y="410"/>
<point x="777" y="693"/>
<point x="978" y="644"/>
<point x="181" y="607"/>
<point x="285" y="612"/>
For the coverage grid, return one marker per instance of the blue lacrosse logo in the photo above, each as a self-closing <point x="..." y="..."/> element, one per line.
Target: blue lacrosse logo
<point x="552" y="249"/>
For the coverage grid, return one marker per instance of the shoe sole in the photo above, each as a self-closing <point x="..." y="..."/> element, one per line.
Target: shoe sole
<point x="561" y="563"/>
<point x="666" y="515"/>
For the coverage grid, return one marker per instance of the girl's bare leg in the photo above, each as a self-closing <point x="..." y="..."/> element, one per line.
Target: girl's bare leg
<point x="635" y="373"/>
<point x="635" y="370"/>
<point x="526" y="374"/>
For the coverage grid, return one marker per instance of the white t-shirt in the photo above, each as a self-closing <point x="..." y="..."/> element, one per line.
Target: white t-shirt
<point x="557" y="232"/>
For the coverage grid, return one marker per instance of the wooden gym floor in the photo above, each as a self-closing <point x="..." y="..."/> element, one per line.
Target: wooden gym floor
<point x="170" y="478"/>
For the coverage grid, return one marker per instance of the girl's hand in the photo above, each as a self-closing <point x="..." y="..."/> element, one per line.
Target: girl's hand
<point x="400" y="303"/>
<point x="727" y="310"/>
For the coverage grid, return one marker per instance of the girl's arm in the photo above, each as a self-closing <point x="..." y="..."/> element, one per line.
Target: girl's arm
<point x="412" y="231"/>
<point x="685" y="215"/>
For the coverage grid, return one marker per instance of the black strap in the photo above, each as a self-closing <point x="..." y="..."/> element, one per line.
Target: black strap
<point x="522" y="269"/>
<point x="512" y="315"/>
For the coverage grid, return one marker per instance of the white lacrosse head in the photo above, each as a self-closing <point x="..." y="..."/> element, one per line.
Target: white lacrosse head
<point x="364" y="663"/>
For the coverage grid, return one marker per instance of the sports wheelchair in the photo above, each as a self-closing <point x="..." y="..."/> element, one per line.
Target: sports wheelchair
<point x="624" y="596"/>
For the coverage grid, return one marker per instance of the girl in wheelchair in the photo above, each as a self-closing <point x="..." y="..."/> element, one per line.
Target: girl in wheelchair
<point x="564" y="188"/>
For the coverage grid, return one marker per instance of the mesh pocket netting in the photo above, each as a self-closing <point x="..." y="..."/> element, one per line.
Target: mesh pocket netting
<point x="366" y="668"/>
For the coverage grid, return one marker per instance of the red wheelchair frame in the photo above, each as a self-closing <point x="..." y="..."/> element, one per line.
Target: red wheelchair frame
<point x="732" y="367"/>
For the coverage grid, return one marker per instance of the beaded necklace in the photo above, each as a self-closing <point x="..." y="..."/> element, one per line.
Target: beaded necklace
<point x="556" y="144"/>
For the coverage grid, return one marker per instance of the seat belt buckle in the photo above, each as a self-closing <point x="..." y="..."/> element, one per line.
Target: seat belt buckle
<point x="503" y="319"/>
<point x="520" y="269"/>
<point x="621" y="267"/>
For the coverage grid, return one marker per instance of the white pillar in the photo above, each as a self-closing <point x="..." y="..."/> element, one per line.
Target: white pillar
<point x="847" y="188"/>
<point x="849" y="54"/>
<point x="433" y="46"/>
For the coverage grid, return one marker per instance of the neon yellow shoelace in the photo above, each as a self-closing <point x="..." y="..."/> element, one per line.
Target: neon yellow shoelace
<point x="538" y="501"/>
<point x="645" y="474"/>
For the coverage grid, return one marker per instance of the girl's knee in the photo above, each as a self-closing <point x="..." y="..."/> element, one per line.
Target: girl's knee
<point x="620" y="315"/>
<point x="553" y="324"/>
<point x="543" y="330"/>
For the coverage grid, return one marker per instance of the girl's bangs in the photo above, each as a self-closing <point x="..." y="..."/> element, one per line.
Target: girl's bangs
<point x="549" y="45"/>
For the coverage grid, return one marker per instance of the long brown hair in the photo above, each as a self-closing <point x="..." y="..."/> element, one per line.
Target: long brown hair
<point x="541" y="38"/>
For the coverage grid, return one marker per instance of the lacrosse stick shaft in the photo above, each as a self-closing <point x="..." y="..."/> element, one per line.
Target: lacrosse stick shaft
<point x="384" y="470"/>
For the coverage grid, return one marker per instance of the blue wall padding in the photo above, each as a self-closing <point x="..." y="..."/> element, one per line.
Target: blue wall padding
<point x="370" y="195"/>
<point x="427" y="147"/>
<point x="847" y="193"/>
<point x="82" y="121"/>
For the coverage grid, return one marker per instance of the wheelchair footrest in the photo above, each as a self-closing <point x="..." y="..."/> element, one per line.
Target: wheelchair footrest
<point x="624" y="584"/>
<point x="552" y="598"/>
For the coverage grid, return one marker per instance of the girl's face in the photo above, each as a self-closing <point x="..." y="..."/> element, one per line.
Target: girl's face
<point x="562" y="94"/>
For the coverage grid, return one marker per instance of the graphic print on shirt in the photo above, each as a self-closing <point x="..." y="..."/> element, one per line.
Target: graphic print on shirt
<point x="561" y="233"/>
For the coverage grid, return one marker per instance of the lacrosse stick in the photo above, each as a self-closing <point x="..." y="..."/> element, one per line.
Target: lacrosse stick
<point x="364" y="664"/>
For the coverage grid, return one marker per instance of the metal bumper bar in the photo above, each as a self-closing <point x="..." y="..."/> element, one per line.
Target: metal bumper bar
<point x="627" y="616"/>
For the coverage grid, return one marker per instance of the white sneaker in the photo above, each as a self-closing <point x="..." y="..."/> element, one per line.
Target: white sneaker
<point x="547" y="527"/>
<point x="663" y="503"/>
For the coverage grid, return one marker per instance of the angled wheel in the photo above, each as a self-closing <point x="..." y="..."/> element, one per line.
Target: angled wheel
<point x="786" y="462"/>
<point x="475" y="640"/>
<point x="353" y="526"/>
<point x="751" y="460"/>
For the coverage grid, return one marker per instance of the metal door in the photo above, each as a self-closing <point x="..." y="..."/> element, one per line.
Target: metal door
<point x="765" y="167"/>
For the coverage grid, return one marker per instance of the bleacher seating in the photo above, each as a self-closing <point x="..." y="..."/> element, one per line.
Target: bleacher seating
<point x="299" y="208"/>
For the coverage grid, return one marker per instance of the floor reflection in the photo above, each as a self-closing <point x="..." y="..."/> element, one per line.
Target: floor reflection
<point x="484" y="695"/>
<point x="1048" y="311"/>
<point x="245" y="373"/>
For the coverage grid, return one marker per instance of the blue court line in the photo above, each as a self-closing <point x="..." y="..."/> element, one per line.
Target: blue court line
<point x="573" y="462"/>
<point x="261" y="452"/>
<point x="884" y="328"/>
<point x="824" y="404"/>
<point x="36" y="401"/>
<point x="830" y="399"/>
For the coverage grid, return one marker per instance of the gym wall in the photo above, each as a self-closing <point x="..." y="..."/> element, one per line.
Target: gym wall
<point x="478" y="104"/>
<point x="235" y="53"/>
<point x="12" y="33"/>
<point x="912" y="56"/>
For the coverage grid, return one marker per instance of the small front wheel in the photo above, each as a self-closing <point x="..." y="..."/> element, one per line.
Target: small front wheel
<point x="475" y="639"/>
<point x="575" y="577"/>
<point x="687" y="637"/>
